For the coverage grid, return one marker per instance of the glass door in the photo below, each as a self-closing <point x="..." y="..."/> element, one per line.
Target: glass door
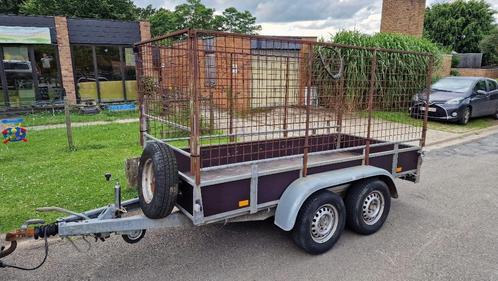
<point x="49" y="89"/>
<point x="19" y="76"/>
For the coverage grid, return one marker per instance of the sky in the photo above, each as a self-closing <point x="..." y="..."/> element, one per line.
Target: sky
<point x="303" y="17"/>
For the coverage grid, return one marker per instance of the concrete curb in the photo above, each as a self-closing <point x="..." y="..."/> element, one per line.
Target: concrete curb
<point x="462" y="138"/>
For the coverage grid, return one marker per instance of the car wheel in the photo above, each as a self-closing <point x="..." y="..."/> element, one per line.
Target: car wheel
<point x="320" y="222"/>
<point x="464" y="116"/>
<point x="158" y="180"/>
<point x="496" y="115"/>
<point x="367" y="206"/>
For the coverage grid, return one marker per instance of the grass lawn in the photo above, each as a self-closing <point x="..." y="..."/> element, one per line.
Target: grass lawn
<point x="49" y="118"/>
<point x="42" y="172"/>
<point x="404" y="118"/>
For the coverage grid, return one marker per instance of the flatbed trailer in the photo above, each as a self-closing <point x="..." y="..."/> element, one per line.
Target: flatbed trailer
<point x="245" y="127"/>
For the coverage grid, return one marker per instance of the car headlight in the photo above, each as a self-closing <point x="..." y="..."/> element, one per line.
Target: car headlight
<point x="455" y="101"/>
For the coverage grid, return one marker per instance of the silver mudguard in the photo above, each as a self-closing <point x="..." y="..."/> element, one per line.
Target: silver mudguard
<point x="298" y="191"/>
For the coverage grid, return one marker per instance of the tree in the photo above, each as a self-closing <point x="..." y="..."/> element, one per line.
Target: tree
<point x="145" y="13"/>
<point x="233" y="20"/>
<point x="193" y="14"/>
<point x="459" y="24"/>
<point x="106" y="9"/>
<point x="489" y="46"/>
<point x="10" y="6"/>
<point x="162" y="22"/>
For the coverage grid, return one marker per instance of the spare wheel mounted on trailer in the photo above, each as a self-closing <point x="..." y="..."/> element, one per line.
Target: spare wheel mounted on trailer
<point x="158" y="180"/>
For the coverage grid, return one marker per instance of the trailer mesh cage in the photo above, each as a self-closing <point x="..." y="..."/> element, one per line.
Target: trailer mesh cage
<point x="222" y="98"/>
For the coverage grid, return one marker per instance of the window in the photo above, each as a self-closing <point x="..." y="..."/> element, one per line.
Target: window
<point x="109" y="70"/>
<point x="492" y="85"/>
<point x="156" y="56"/>
<point x="49" y="87"/>
<point x="84" y="73"/>
<point x="115" y="66"/>
<point x="19" y="75"/>
<point x="210" y="61"/>
<point x="450" y="84"/>
<point x="480" y="86"/>
<point x="130" y="74"/>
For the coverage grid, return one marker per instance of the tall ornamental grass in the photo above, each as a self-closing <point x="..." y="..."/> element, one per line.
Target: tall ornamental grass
<point x="398" y="76"/>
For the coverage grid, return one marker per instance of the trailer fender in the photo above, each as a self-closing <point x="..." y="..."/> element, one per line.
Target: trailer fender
<point x="298" y="191"/>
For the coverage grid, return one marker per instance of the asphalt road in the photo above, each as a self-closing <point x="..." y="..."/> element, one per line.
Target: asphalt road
<point x="444" y="228"/>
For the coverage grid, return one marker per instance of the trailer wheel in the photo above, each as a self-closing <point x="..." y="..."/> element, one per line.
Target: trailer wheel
<point x="320" y="222"/>
<point x="158" y="180"/>
<point x="367" y="206"/>
<point x="135" y="237"/>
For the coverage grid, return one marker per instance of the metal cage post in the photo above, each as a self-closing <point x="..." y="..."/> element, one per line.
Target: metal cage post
<point x="427" y="101"/>
<point x="141" y="99"/>
<point x="193" y="66"/>
<point x="308" y="107"/>
<point x="371" y="92"/>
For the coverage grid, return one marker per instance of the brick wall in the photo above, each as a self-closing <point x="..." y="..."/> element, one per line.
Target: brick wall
<point x="233" y="67"/>
<point x="478" y="72"/>
<point x="403" y="16"/>
<point x="145" y="30"/>
<point x="66" y="63"/>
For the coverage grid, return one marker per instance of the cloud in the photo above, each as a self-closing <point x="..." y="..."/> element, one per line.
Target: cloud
<point x="304" y="17"/>
<point x="281" y="10"/>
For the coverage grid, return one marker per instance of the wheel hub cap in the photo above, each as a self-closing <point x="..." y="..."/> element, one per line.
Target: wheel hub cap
<point x="324" y="223"/>
<point x="373" y="207"/>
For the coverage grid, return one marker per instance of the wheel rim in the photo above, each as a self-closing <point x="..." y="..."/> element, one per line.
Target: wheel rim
<point x="324" y="223"/>
<point x="373" y="207"/>
<point x="135" y="235"/>
<point x="148" y="181"/>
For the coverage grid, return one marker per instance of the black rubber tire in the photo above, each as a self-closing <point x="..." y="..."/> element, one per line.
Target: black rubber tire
<point x="462" y="120"/>
<point x="301" y="233"/>
<point x="355" y="197"/>
<point x="165" y="172"/>
<point x="133" y="240"/>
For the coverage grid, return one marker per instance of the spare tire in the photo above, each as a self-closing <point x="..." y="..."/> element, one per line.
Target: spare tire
<point x="157" y="180"/>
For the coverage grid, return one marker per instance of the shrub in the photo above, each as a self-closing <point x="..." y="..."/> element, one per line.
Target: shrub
<point x="489" y="46"/>
<point x="455" y="61"/>
<point x="454" y="72"/>
<point x="399" y="75"/>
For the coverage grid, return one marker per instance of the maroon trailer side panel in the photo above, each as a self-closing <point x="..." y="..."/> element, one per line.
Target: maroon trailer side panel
<point x="224" y="197"/>
<point x="271" y="187"/>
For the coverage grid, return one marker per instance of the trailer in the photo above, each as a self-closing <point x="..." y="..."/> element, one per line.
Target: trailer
<point x="246" y="127"/>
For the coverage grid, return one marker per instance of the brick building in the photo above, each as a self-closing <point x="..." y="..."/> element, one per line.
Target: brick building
<point x="235" y="72"/>
<point x="403" y="16"/>
<point x="41" y="57"/>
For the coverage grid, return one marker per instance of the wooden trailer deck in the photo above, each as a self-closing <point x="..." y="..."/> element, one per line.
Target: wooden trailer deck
<point x="271" y="166"/>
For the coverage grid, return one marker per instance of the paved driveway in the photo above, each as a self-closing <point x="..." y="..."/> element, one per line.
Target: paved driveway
<point x="444" y="228"/>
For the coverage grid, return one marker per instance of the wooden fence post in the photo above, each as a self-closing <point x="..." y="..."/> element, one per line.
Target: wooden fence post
<point x="69" y="129"/>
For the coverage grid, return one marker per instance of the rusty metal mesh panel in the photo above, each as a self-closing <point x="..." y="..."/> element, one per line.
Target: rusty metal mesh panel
<point x="257" y="97"/>
<point x="163" y="83"/>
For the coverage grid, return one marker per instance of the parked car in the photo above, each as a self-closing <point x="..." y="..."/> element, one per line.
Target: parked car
<point x="458" y="99"/>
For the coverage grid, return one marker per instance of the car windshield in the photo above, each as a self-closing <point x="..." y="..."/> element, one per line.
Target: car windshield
<point x="453" y="85"/>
